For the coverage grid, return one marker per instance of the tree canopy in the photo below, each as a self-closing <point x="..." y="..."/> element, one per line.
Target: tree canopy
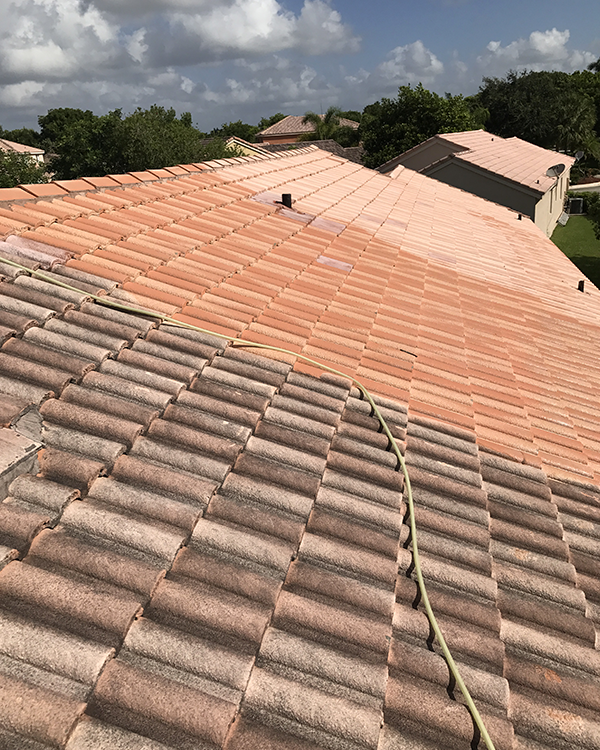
<point x="243" y="130"/>
<point x="146" y="139"/>
<point x="328" y="126"/>
<point x="551" y="109"/>
<point x="595" y="66"/>
<point x="391" y="126"/>
<point x="26" y="136"/>
<point x="20" y="169"/>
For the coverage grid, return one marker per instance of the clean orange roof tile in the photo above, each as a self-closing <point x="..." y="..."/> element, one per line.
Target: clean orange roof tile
<point x="101" y="182"/>
<point x="98" y="270"/>
<point x="44" y="189"/>
<point x="124" y="179"/>
<point x="150" y="291"/>
<point x="14" y="194"/>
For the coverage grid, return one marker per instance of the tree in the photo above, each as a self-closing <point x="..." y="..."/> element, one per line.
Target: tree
<point x="20" y="169"/>
<point x="26" y="136"/>
<point x="391" y="126"/>
<point x="324" y="126"/>
<point x="352" y="114"/>
<point x="328" y="126"/>
<point x="56" y="122"/>
<point x="88" y="147"/>
<point x="551" y="109"/>
<point x="595" y="66"/>
<point x="239" y="129"/>
<point x="146" y="139"/>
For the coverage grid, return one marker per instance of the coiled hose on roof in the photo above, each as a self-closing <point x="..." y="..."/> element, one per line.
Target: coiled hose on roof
<point x="107" y="301"/>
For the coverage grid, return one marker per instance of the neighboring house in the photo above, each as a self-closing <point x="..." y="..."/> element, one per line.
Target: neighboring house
<point x="247" y="148"/>
<point x="37" y="154"/>
<point x="352" y="153"/>
<point x="205" y="545"/>
<point x="292" y="127"/>
<point x="508" y="171"/>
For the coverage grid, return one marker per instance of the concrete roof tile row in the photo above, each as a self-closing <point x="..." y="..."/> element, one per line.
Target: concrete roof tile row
<point x="294" y="125"/>
<point x="213" y="550"/>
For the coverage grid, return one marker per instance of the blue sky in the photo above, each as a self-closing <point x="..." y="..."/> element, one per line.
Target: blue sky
<point x="242" y="59"/>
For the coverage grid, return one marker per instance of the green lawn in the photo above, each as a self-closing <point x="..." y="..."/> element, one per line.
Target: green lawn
<point x="578" y="242"/>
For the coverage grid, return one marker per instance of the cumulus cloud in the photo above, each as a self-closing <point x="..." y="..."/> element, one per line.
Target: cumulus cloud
<point x="84" y="40"/>
<point x="542" y="50"/>
<point x="413" y="63"/>
<point x="55" y="39"/>
<point x="248" y="28"/>
<point x="124" y="54"/>
<point x="409" y="64"/>
<point x="226" y="59"/>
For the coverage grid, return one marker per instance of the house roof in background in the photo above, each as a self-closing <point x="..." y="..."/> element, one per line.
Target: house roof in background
<point x="293" y="125"/>
<point x="509" y="158"/>
<point x="454" y="142"/>
<point x="214" y="551"/>
<point x="20" y="148"/>
<point x="516" y="160"/>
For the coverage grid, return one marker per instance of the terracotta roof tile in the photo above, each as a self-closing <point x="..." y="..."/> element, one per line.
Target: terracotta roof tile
<point x="252" y="512"/>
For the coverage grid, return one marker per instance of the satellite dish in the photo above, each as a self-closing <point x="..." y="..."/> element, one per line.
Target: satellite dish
<point x="555" y="171"/>
<point x="579" y="156"/>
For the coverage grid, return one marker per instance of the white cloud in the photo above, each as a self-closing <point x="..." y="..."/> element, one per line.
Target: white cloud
<point x="413" y="63"/>
<point x="242" y="28"/>
<point x="542" y="50"/>
<point x="409" y="64"/>
<point x="24" y="94"/>
<point x="320" y="29"/>
<point x="136" y="45"/>
<point x="55" y="39"/>
<point x="187" y="85"/>
<point x="103" y="54"/>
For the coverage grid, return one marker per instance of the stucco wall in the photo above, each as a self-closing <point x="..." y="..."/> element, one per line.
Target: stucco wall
<point x="485" y="186"/>
<point x="278" y="138"/>
<point x="544" y="212"/>
<point x="550" y="207"/>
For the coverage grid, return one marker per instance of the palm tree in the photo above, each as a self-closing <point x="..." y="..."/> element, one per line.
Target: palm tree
<point x="325" y="126"/>
<point x="595" y="66"/>
<point x="575" y="116"/>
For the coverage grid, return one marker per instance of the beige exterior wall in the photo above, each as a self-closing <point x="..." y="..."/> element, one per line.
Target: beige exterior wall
<point x="550" y="207"/>
<point x="484" y="186"/>
<point x="247" y="150"/>
<point x="279" y="138"/>
<point x="544" y="212"/>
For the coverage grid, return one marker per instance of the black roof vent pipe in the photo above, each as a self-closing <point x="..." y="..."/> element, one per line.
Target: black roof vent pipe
<point x="581" y="285"/>
<point x="286" y="199"/>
